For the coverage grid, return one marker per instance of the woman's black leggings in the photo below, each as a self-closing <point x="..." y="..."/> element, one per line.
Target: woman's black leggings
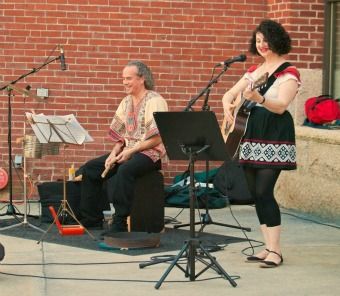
<point x="261" y="183"/>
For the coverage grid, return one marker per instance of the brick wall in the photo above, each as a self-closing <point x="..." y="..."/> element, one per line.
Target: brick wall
<point x="180" y="40"/>
<point x="305" y="21"/>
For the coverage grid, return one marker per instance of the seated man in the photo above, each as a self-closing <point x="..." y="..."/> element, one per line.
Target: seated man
<point x="137" y="149"/>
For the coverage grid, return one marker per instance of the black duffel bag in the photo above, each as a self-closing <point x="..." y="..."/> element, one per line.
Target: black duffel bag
<point x="231" y="182"/>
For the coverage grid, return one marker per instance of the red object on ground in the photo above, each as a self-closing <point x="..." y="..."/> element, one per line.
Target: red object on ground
<point x="66" y="229"/>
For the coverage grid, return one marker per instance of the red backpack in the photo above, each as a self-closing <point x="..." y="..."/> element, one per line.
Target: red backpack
<point x="322" y="109"/>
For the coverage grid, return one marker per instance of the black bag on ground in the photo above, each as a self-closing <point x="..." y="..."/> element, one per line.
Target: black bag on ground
<point x="178" y="194"/>
<point x="231" y="182"/>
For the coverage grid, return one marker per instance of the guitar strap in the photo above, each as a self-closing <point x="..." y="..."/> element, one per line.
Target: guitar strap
<point x="272" y="78"/>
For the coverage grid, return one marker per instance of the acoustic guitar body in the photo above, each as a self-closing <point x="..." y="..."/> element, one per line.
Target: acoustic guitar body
<point x="234" y="138"/>
<point x="233" y="134"/>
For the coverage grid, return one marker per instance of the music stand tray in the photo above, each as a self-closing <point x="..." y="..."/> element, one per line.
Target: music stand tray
<point x="191" y="129"/>
<point x="191" y="136"/>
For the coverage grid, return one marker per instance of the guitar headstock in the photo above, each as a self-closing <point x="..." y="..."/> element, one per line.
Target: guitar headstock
<point x="260" y="81"/>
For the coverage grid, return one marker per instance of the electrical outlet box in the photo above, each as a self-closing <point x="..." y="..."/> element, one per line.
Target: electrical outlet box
<point x="18" y="161"/>
<point x="42" y="92"/>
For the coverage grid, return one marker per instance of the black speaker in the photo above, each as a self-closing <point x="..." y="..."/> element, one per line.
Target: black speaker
<point x="230" y="180"/>
<point x="51" y="194"/>
<point x="147" y="214"/>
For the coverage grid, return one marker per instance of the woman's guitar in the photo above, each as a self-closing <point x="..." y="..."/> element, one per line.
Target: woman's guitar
<point x="232" y="133"/>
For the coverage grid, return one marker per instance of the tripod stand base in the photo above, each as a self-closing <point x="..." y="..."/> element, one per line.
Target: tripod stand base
<point x="22" y="224"/>
<point x="189" y="251"/>
<point x="11" y="211"/>
<point x="192" y="136"/>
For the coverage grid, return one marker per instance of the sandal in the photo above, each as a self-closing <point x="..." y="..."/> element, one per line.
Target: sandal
<point x="271" y="264"/>
<point x="254" y="259"/>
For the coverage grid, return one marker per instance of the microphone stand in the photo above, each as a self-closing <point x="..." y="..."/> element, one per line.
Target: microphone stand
<point x="206" y="89"/>
<point x="206" y="218"/>
<point x="34" y="70"/>
<point x="11" y="211"/>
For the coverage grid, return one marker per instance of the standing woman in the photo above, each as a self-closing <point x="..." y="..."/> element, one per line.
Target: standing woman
<point x="268" y="145"/>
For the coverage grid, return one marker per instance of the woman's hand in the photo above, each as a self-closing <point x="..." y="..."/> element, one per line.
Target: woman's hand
<point x="232" y="98"/>
<point x="252" y="95"/>
<point x="229" y="111"/>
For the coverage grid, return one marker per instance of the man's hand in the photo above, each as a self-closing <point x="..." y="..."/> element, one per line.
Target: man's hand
<point x="124" y="155"/>
<point x="109" y="163"/>
<point x="110" y="160"/>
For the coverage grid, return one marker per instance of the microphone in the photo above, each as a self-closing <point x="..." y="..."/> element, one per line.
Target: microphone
<point x="240" y="58"/>
<point x="62" y="59"/>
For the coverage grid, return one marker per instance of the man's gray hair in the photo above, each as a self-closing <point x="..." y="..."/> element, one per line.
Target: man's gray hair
<point x="145" y="72"/>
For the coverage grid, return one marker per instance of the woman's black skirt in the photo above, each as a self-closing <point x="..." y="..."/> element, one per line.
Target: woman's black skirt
<point x="269" y="141"/>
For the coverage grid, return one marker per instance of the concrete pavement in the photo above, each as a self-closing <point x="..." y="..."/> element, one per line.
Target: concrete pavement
<point x="311" y="266"/>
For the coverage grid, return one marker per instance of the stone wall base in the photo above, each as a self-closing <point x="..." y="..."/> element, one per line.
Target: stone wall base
<point x="314" y="188"/>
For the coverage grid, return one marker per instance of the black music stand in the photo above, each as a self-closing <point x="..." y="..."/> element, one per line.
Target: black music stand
<point x="191" y="136"/>
<point x="177" y="154"/>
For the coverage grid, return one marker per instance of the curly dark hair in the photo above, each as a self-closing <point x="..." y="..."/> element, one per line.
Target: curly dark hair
<point x="145" y="72"/>
<point x="274" y="33"/>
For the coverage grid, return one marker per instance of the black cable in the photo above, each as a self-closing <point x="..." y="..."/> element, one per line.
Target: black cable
<point x="306" y="219"/>
<point x="106" y="280"/>
<point x="163" y="257"/>
<point x="211" y="248"/>
<point x="311" y="220"/>
<point x="69" y="263"/>
<point x="216" y="247"/>
<point x="171" y="220"/>
<point x="260" y="243"/>
<point x="252" y="247"/>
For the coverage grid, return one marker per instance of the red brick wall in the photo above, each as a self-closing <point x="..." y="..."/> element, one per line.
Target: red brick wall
<point x="180" y="40"/>
<point x="305" y="22"/>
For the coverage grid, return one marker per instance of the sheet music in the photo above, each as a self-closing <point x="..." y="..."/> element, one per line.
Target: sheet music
<point x="58" y="129"/>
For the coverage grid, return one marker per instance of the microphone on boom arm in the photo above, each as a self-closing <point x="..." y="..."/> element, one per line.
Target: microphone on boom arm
<point x="239" y="58"/>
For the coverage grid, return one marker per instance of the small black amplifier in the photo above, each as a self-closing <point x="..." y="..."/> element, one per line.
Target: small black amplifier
<point x="52" y="193"/>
